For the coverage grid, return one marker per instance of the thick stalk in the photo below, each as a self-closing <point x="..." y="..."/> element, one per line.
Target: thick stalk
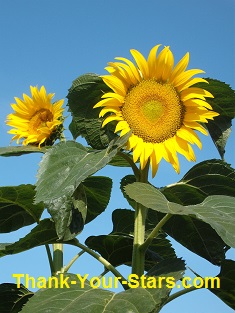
<point x="58" y="257"/>
<point x="138" y="256"/>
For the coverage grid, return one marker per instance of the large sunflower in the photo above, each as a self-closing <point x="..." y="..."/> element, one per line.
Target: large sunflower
<point x="36" y="120"/>
<point x="158" y="103"/>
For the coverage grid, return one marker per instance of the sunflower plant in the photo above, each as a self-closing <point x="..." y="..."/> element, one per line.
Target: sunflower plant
<point x="144" y="111"/>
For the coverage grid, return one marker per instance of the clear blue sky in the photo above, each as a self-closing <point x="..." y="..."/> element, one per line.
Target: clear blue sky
<point x="51" y="42"/>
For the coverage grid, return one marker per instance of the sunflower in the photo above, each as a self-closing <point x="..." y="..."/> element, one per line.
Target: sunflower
<point x="158" y="103"/>
<point x="36" y="120"/>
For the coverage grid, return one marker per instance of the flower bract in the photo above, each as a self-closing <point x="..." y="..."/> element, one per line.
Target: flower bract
<point x="36" y="120"/>
<point x="158" y="102"/>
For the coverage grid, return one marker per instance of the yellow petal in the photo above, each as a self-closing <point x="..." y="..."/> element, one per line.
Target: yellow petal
<point x="185" y="76"/>
<point x="152" y="61"/>
<point x="132" y="68"/>
<point x="115" y="84"/>
<point x="194" y="92"/>
<point x="180" y="67"/>
<point x="189" y="135"/>
<point x="196" y="126"/>
<point x="111" y="118"/>
<point x="141" y="63"/>
<point x="121" y="125"/>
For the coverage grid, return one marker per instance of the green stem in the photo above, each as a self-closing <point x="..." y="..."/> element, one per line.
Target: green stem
<point x="58" y="258"/>
<point x="103" y="261"/>
<point x="180" y="293"/>
<point x="155" y="232"/>
<point x="131" y="162"/>
<point x="138" y="256"/>
<point x="50" y="258"/>
<point x="67" y="267"/>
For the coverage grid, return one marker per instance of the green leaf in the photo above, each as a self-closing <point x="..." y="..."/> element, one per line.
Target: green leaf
<point x="84" y="93"/>
<point x="43" y="233"/>
<point x="218" y="211"/>
<point x="67" y="164"/>
<point x="78" y="298"/>
<point x="223" y="103"/>
<point x="20" y="150"/>
<point x="226" y="291"/>
<point x="69" y="214"/>
<point x="17" y="209"/>
<point x="211" y="177"/>
<point x="117" y="246"/>
<point x="98" y="192"/>
<point x="12" y="298"/>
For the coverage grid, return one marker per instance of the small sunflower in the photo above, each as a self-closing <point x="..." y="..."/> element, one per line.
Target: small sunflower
<point x="36" y="120"/>
<point x="157" y="102"/>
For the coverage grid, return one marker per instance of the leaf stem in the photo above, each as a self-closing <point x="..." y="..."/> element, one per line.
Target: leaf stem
<point x="155" y="232"/>
<point x="180" y="293"/>
<point x="50" y="258"/>
<point x="67" y="267"/>
<point x="103" y="261"/>
<point x="138" y="255"/>
<point x="131" y="162"/>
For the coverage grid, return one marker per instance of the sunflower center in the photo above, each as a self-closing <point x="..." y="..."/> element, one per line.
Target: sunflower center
<point x="153" y="111"/>
<point x="39" y="120"/>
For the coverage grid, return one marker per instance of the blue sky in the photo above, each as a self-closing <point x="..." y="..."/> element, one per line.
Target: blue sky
<point x="52" y="42"/>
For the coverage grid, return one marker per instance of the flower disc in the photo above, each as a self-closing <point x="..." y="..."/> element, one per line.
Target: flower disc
<point x="147" y="109"/>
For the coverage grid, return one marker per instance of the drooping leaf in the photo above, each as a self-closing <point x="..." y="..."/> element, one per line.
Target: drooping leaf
<point x="223" y="103"/>
<point x="84" y="93"/>
<point x="217" y="211"/>
<point x="43" y="233"/>
<point x="20" y="150"/>
<point x="67" y="164"/>
<point x="69" y="213"/>
<point x="226" y="290"/>
<point x="98" y="192"/>
<point x="17" y="208"/>
<point x="13" y="297"/>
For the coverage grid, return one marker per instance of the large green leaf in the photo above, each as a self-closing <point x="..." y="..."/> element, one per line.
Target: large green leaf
<point x="16" y="207"/>
<point x="43" y="233"/>
<point x="223" y="103"/>
<point x="67" y="164"/>
<point x="13" y="297"/>
<point x="61" y="172"/>
<point x="80" y="297"/>
<point x="226" y="291"/>
<point x="217" y="211"/>
<point x="20" y="150"/>
<point x="84" y="93"/>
